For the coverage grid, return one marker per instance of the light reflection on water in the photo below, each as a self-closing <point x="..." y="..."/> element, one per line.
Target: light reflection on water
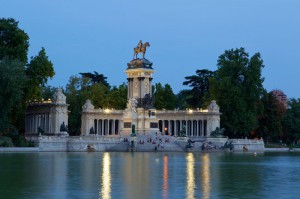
<point x="205" y="176"/>
<point x="165" y="177"/>
<point x="149" y="175"/>
<point x="190" y="177"/>
<point x="106" y="177"/>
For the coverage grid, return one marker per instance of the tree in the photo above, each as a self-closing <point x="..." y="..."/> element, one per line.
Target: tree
<point x="79" y="89"/>
<point x="38" y="71"/>
<point x="11" y="89"/>
<point x="118" y="97"/>
<point x="96" y="78"/>
<point x="271" y="118"/>
<point x="200" y="87"/>
<point x="159" y="96"/>
<point x="183" y="98"/>
<point x="164" y="97"/>
<point x="14" y="42"/>
<point x="291" y="121"/>
<point x="48" y="91"/>
<point x="237" y="87"/>
<point x="170" y="98"/>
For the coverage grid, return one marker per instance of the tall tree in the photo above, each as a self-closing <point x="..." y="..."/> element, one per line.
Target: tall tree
<point x="164" y="97"/>
<point x="271" y="117"/>
<point x="237" y="87"/>
<point x="292" y="121"/>
<point x="200" y="87"/>
<point x="14" y="42"/>
<point x="38" y="71"/>
<point x="11" y="89"/>
<point x="159" y="96"/>
<point x="96" y="78"/>
<point x="118" y="97"/>
<point x="170" y="98"/>
<point x="183" y="99"/>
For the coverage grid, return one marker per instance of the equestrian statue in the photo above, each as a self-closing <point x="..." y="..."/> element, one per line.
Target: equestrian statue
<point x="141" y="48"/>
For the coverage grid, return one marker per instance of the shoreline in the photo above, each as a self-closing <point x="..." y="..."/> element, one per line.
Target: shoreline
<point x="37" y="149"/>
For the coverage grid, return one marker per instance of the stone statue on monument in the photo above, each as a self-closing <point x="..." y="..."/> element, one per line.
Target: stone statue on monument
<point x="141" y="48"/>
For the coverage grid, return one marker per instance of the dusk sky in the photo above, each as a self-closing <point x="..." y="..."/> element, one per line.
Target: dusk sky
<point x="92" y="35"/>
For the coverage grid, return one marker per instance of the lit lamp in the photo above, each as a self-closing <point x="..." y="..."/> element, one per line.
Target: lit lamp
<point x="166" y="130"/>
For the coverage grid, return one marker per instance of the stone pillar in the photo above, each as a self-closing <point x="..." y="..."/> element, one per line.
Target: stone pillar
<point x="192" y="127"/>
<point x="87" y="121"/>
<point x="163" y="127"/>
<point x="113" y="127"/>
<point x="108" y="126"/>
<point x="102" y="127"/>
<point x="197" y="131"/>
<point x="150" y="86"/>
<point x="175" y="128"/>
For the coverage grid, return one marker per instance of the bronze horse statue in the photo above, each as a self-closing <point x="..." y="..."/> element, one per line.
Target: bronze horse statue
<point x="140" y="49"/>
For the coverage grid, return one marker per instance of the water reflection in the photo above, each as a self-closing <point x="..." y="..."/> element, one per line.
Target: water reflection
<point x="190" y="185"/>
<point x="165" y="178"/>
<point x="106" y="177"/>
<point x="205" y="176"/>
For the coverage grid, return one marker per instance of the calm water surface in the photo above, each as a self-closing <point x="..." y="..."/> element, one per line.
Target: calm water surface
<point x="149" y="175"/>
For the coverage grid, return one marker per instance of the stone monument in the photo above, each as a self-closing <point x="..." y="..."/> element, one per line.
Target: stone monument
<point x="140" y="111"/>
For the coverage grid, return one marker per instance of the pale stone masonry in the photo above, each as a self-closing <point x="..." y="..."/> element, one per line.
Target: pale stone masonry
<point x="48" y="115"/>
<point x="110" y="122"/>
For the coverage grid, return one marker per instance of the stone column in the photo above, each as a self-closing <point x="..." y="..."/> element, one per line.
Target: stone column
<point x="108" y="125"/>
<point x="192" y="127"/>
<point x="150" y="86"/>
<point x="163" y="127"/>
<point x="175" y="127"/>
<point x="113" y="127"/>
<point x="102" y="127"/>
<point x="187" y="127"/>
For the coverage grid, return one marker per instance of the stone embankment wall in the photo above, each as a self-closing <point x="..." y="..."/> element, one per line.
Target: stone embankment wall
<point x="248" y="145"/>
<point x="142" y="143"/>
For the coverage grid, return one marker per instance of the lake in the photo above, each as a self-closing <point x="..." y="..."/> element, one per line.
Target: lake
<point x="149" y="175"/>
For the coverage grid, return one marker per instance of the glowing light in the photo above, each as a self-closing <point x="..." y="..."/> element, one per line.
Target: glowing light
<point x="190" y="111"/>
<point x="190" y="185"/>
<point x="106" y="177"/>
<point x="206" y="176"/>
<point x="165" y="178"/>
<point x="107" y="110"/>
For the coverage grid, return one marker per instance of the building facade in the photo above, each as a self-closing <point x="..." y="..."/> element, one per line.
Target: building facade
<point x="141" y="115"/>
<point x="47" y="116"/>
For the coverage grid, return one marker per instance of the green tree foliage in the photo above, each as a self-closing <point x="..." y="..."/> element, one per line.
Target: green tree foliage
<point x="11" y="89"/>
<point x="200" y="87"/>
<point x="14" y="44"/>
<point x="48" y="91"/>
<point x="96" y="78"/>
<point x="292" y="121"/>
<point x="271" y="117"/>
<point x="76" y="99"/>
<point x="183" y="99"/>
<point x="118" y="97"/>
<point x="164" y="97"/>
<point x="237" y="87"/>
<point x="38" y="71"/>
<point x="13" y="41"/>
<point x="79" y="89"/>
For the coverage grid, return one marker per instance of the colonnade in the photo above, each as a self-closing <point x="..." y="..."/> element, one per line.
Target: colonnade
<point x="34" y="121"/>
<point x="107" y="126"/>
<point x="192" y="127"/>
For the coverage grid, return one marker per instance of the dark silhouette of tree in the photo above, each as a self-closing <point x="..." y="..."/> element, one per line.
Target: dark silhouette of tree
<point x="200" y="87"/>
<point x="96" y="78"/>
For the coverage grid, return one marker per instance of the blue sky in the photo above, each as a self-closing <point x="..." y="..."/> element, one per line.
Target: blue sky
<point x="93" y="35"/>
